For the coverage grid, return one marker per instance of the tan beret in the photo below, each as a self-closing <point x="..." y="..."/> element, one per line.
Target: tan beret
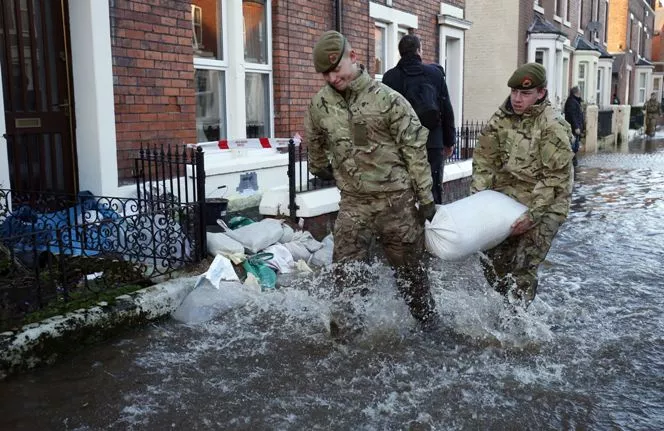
<point x="328" y="51"/>
<point x="530" y="75"/>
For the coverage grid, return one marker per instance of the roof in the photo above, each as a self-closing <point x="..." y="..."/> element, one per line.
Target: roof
<point x="581" y="44"/>
<point x="541" y="25"/>
<point x="643" y="62"/>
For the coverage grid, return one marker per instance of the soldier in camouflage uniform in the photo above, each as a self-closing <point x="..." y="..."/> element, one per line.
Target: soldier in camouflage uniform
<point x="653" y="111"/>
<point x="367" y="137"/>
<point x="524" y="152"/>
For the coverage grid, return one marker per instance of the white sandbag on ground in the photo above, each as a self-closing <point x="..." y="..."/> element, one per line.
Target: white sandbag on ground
<point x="288" y="234"/>
<point x="257" y="236"/>
<point x="282" y="260"/>
<point x="221" y="269"/>
<point x="206" y="302"/>
<point x="220" y="243"/>
<point x="322" y="257"/>
<point x="478" y="222"/>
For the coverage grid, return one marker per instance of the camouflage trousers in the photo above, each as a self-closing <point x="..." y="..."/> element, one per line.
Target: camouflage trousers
<point x="391" y="219"/>
<point x="511" y="267"/>
<point x="651" y="124"/>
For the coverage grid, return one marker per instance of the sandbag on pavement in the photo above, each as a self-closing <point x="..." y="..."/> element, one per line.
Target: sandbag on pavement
<point x="475" y="223"/>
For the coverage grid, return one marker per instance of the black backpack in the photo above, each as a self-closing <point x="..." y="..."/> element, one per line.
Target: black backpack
<point x="423" y="97"/>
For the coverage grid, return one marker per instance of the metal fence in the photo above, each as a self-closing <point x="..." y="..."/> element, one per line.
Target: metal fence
<point x="56" y="248"/>
<point x="300" y="180"/>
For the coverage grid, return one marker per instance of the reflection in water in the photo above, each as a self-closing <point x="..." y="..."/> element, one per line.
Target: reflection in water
<point x="588" y="354"/>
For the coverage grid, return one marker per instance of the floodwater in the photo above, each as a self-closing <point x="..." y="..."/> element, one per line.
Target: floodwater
<point x="588" y="353"/>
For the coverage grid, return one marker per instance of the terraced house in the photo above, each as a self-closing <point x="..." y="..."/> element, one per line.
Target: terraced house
<point x="86" y="82"/>
<point x="603" y="46"/>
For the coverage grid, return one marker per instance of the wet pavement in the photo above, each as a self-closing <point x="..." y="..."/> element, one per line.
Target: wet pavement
<point x="588" y="354"/>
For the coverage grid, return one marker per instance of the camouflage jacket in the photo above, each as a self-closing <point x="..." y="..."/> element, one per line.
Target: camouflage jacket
<point x="528" y="157"/>
<point x="371" y="136"/>
<point x="652" y="107"/>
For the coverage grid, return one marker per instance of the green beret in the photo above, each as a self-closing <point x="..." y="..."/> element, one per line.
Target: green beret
<point x="530" y="75"/>
<point x="328" y="51"/>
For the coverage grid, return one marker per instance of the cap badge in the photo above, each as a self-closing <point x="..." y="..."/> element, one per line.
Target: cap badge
<point x="333" y="58"/>
<point x="526" y="82"/>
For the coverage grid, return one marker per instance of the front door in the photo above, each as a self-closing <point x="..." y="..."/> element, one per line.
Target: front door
<point x="38" y="95"/>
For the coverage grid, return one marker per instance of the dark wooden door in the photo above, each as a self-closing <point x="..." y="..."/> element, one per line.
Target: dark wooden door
<point x="38" y="95"/>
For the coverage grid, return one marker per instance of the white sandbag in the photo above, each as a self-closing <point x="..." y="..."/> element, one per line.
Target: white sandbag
<point x="308" y="240"/>
<point x="220" y="269"/>
<point x="257" y="236"/>
<point x="328" y="241"/>
<point x="298" y="251"/>
<point x="478" y="222"/>
<point x="220" y="243"/>
<point x="288" y="234"/>
<point x="206" y="302"/>
<point x="322" y="257"/>
<point x="282" y="259"/>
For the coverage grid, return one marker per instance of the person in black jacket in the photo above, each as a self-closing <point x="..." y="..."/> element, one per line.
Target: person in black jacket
<point x="440" y="143"/>
<point x="574" y="116"/>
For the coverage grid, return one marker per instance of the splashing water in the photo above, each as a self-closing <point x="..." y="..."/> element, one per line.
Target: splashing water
<point x="588" y="353"/>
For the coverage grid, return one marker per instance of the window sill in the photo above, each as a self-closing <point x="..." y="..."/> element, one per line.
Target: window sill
<point x="567" y="24"/>
<point x="538" y="8"/>
<point x="556" y="18"/>
<point x="233" y="161"/>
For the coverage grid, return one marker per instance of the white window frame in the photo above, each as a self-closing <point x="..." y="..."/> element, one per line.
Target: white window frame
<point x="395" y="22"/>
<point x="599" y="84"/>
<point x="582" y="82"/>
<point x="386" y="54"/>
<point x="537" y="5"/>
<point x="558" y="14"/>
<point x="638" y="40"/>
<point x="642" y="90"/>
<point x="235" y="69"/>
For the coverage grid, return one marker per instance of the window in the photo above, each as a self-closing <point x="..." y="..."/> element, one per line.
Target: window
<point x="220" y="66"/>
<point x="390" y="25"/>
<point x="606" y="22"/>
<point x="257" y="78"/>
<point x="210" y="71"/>
<point x="642" y="88"/>
<point x="197" y="24"/>
<point x="565" y="88"/>
<point x="581" y="79"/>
<point x="567" y="7"/>
<point x="558" y="11"/>
<point x="380" y="39"/>
<point x="629" y="33"/>
<point x="580" y="16"/>
<point x="638" y="40"/>
<point x="539" y="56"/>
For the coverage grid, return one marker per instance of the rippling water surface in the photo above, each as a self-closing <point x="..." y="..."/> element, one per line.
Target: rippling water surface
<point x="588" y="353"/>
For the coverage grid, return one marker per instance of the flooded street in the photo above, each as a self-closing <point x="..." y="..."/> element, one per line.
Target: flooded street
<point x="588" y="353"/>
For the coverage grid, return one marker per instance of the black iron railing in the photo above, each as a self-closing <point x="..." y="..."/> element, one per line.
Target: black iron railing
<point x="300" y="180"/>
<point x="55" y="247"/>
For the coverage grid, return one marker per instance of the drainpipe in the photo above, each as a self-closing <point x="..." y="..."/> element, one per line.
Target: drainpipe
<point x="338" y="21"/>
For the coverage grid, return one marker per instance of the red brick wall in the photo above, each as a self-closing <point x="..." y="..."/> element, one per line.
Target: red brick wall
<point x="153" y="75"/>
<point x="297" y="24"/>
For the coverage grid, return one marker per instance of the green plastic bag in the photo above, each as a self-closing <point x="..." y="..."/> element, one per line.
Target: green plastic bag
<point x="239" y="221"/>
<point x="257" y="266"/>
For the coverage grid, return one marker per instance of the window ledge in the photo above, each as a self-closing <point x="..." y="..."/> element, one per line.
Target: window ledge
<point x="557" y="19"/>
<point x="232" y="161"/>
<point x="567" y="24"/>
<point x="538" y="8"/>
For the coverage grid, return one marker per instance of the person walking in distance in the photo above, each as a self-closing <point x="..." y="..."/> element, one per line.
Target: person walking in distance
<point x="653" y="111"/>
<point x="574" y="116"/>
<point x="524" y="152"/>
<point x="367" y="137"/>
<point x="424" y="86"/>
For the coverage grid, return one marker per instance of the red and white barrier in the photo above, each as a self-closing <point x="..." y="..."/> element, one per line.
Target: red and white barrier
<point x="247" y="144"/>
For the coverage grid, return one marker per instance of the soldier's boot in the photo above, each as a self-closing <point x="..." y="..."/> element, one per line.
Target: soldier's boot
<point x="350" y="281"/>
<point x="413" y="284"/>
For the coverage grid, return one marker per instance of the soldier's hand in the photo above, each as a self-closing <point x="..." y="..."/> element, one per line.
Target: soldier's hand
<point x="577" y="132"/>
<point x="447" y="151"/>
<point x="427" y="211"/>
<point x="521" y="225"/>
<point x="324" y="174"/>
